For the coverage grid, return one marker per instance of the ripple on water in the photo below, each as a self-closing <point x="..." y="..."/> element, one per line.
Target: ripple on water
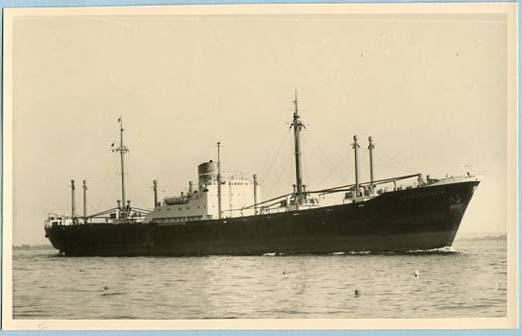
<point x="46" y="285"/>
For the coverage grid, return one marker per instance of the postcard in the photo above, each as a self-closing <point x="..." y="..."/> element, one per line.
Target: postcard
<point x="334" y="166"/>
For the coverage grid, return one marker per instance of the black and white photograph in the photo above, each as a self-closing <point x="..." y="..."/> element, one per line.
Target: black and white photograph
<point x="336" y="166"/>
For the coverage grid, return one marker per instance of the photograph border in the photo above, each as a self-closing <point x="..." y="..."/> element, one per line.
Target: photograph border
<point x="314" y="326"/>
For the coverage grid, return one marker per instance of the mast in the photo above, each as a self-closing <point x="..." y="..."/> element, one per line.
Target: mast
<point x="155" y="189"/>
<point x="219" y="178"/>
<point x="84" y="200"/>
<point x="255" y="194"/>
<point x="122" y="150"/>
<point x="355" y="147"/>
<point x="73" y="201"/>
<point x="371" y="147"/>
<point x="297" y="125"/>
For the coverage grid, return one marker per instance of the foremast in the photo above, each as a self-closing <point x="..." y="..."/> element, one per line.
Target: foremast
<point x="122" y="149"/>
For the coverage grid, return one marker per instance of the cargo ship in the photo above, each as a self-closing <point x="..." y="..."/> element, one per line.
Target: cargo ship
<point x="223" y="215"/>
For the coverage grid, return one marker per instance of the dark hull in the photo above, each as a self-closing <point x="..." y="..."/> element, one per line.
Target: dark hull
<point x="411" y="219"/>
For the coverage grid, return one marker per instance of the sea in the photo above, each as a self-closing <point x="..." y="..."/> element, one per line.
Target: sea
<point x="468" y="280"/>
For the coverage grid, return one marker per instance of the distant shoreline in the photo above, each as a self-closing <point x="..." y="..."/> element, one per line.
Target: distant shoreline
<point x="482" y="235"/>
<point x="32" y="247"/>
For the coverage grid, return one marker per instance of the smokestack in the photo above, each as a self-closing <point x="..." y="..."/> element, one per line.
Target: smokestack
<point x="190" y="188"/>
<point x="73" y="201"/>
<point x="355" y="147"/>
<point x="155" y="189"/>
<point x="371" y="147"/>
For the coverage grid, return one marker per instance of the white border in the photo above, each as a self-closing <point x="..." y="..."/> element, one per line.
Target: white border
<point x="510" y="9"/>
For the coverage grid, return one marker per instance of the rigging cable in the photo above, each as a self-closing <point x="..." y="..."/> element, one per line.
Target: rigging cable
<point x="281" y="166"/>
<point x="322" y="157"/>
<point x="275" y="158"/>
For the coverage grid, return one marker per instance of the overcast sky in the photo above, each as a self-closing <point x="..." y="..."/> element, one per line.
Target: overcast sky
<point x="431" y="89"/>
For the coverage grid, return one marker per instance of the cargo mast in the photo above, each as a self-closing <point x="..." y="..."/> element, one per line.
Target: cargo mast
<point x="84" y="200"/>
<point x="219" y="178"/>
<point x="356" y="147"/>
<point x="297" y="125"/>
<point x="73" y="201"/>
<point x="371" y="147"/>
<point x="255" y="194"/>
<point x="155" y="190"/>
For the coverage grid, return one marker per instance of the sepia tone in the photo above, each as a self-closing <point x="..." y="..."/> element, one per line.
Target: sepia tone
<point x="432" y="89"/>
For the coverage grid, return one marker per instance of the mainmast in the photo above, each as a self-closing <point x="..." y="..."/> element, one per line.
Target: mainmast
<point x="122" y="150"/>
<point x="297" y="125"/>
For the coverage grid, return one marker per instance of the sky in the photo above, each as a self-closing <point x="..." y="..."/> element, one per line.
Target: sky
<point x="430" y="88"/>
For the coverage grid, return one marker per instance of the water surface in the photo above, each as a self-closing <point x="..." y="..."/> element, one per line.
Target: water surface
<point x="468" y="281"/>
